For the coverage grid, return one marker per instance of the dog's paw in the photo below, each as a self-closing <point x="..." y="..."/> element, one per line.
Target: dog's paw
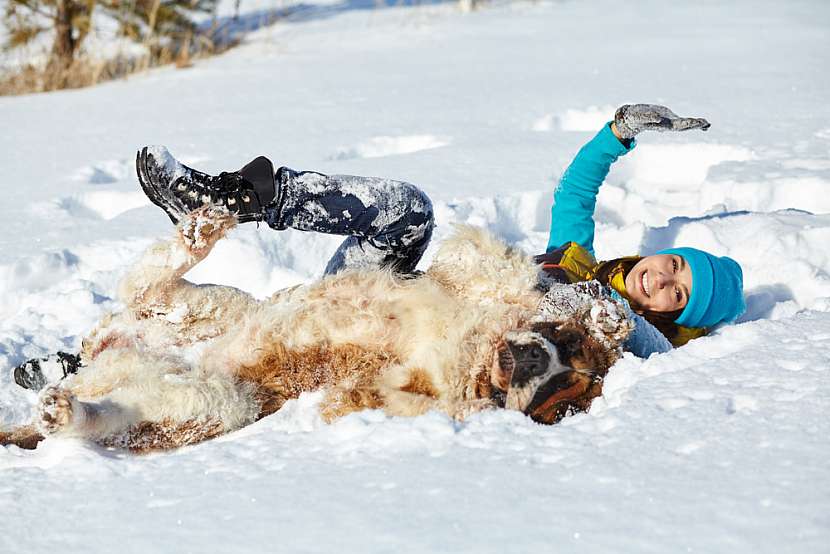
<point x="202" y="227"/>
<point x="592" y="306"/>
<point x="55" y="410"/>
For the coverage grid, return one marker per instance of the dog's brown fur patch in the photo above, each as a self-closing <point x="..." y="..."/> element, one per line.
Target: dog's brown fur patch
<point x="342" y="400"/>
<point x="282" y="373"/>
<point x="149" y="436"/>
<point x="92" y="349"/>
<point x="420" y="383"/>
<point x="483" y="387"/>
<point x="23" y="437"/>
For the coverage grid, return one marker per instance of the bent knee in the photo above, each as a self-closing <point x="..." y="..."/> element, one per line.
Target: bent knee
<point x="420" y="219"/>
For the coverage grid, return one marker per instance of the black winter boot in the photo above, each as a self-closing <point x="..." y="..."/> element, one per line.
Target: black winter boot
<point x="178" y="189"/>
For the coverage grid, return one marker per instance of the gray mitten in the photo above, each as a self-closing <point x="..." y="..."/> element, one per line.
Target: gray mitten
<point x="630" y="119"/>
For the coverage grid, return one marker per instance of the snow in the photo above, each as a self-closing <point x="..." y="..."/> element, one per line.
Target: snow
<point x="378" y="147"/>
<point x="719" y="446"/>
<point x="588" y="119"/>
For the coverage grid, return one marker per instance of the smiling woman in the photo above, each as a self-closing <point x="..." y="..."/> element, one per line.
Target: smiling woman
<point x="660" y="283"/>
<point x="681" y="291"/>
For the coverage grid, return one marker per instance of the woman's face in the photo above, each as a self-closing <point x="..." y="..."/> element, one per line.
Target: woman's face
<point x="660" y="283"/>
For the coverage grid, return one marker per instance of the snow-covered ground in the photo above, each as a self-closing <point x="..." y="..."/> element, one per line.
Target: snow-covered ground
<point x="719" y="446"/>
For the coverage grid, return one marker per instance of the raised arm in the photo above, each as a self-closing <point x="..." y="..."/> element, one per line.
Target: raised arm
<point x="572" y="215"/>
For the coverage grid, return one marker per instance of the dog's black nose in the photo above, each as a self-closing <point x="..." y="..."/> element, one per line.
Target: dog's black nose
<point x="531" y="360"/>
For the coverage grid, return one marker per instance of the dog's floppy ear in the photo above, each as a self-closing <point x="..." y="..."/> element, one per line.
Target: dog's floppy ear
<point x="568" y="338"/>
<point x="576" y="347"/>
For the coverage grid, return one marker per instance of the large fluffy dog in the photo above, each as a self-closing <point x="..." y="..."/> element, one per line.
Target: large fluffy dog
<point x="183" y="363"/>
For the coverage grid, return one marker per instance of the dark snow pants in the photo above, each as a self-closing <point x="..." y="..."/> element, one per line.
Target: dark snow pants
<point x="387" y="223"/>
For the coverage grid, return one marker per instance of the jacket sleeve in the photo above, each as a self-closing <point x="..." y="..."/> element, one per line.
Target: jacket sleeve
<point x="572" y="215"/>
<point x="645" y="339"/>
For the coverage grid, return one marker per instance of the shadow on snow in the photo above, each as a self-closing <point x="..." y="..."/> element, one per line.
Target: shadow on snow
<point x="228" y="30"/>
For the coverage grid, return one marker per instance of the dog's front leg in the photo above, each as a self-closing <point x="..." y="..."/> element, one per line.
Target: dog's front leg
<point x="162" y="265"/>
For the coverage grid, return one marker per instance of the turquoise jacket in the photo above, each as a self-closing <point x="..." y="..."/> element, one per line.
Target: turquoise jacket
<point x="572" y="215"/>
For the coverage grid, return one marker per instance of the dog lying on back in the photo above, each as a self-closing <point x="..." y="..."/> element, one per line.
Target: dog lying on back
<point x="183" y="362"/>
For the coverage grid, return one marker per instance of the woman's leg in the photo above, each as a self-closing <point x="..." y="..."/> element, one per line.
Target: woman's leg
<point x="388" y="223"/>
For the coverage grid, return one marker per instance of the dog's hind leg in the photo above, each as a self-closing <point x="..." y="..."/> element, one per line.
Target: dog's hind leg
<point x="132" y="396"/>
<point x="61" y="412"/>
<point x="147" y="436"/>
<point x="111" y="424"/>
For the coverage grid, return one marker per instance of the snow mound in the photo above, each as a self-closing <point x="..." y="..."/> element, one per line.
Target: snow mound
<point x="100" y="204"/>
<point x="105" y="172"/>
<point x="677" y="167"/>
<point x="271" y="260"/>
<point x="378" y="147"/>
<point x="576" y="119"/>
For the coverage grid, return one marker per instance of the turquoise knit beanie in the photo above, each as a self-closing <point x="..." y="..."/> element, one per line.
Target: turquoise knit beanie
<point x="717" y="288"/>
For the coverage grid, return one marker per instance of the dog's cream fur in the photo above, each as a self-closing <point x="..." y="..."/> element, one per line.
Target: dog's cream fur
<point x="184" y="362"/>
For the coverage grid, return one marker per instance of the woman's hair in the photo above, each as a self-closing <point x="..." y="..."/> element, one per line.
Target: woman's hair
<point x="663" y="321"/>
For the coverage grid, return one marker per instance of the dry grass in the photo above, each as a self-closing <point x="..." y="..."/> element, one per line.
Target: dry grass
<point x="84" y="71"/>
